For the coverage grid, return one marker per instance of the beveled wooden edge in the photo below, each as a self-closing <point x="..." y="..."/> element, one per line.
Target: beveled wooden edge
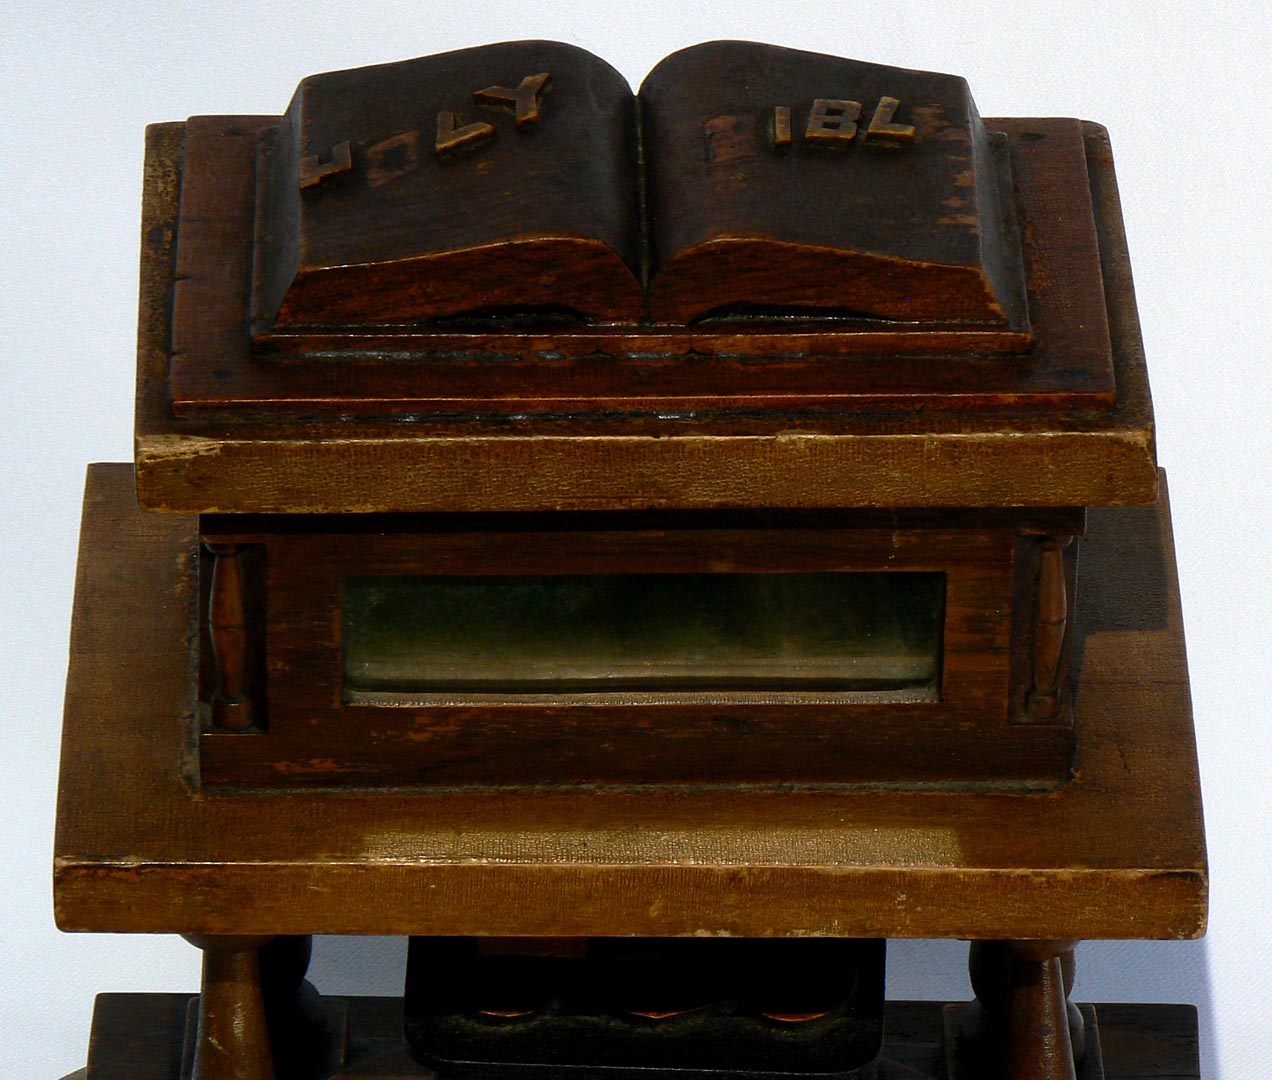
<point x="870" y="459"/>
<point x="1116" y="853"/>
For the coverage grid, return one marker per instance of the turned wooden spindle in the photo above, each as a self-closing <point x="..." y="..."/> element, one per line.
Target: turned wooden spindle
<point x="227" y="624"/>
<point x="1022" y="1025"/>
<point x="1051" y="620"/>
<point x="232" y="1035"/>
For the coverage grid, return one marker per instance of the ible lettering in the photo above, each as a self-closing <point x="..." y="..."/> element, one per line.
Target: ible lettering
<point x="834" y="122"/>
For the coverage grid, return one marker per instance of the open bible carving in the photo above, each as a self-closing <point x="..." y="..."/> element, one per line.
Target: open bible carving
<point x="510" y="230"/>
<point x="525" y="180"/>
<point x="630" y="545"/>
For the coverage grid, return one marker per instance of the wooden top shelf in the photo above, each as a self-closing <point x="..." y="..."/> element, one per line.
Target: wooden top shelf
<point x="1117" y="852"/>
<point x="249" y="403"/>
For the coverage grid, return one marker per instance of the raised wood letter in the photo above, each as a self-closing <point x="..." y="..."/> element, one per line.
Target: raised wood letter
<point x="453" y="132"/>
<point x="782" y="125"/>
<point x="313" y="170"/>
<point x="882" y="127"/>
<point x="833" y="122"/>
<point x="524" y="100"/>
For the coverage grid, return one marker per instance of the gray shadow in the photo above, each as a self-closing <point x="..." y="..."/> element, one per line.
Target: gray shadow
<point x="359" y="966"/>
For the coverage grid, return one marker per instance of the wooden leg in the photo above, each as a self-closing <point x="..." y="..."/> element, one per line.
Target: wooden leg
<point x="1037" y="1044"/>
<point x="1022" y="1025"/>
<point x="233" y="1040"/>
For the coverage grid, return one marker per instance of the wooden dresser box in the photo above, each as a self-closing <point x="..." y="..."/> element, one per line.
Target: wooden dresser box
<point x="630" y="545"/>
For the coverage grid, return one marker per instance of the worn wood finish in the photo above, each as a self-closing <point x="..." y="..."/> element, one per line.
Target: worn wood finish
<point x="906" y="221"/>
<point x="139" y="1037"/>
<point x="231" y="1036"/>
<point x="1117" y="852"/>
<point x="968" y="733"/>
<point x="543" y="214"/>
<point x="871" y="457"/>
<point x="494" y="283"/>
<point x="784" y="364"/>
<point x="910" y="229"/>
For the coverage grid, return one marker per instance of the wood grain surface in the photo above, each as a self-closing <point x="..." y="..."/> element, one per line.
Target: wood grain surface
<point x="970" y="732"/>
<point x="988" y="444"/>
<point x="1117" y="852"/>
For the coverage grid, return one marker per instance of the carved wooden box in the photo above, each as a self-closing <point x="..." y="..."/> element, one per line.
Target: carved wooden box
<point x="739" y="431"/>
<point x="629" y="543"/>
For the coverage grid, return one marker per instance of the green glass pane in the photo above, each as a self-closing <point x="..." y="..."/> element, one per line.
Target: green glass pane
<point x="570" y="633"/>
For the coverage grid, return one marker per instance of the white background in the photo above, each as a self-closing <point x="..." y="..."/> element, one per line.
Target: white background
<point x="1184" y="93"/>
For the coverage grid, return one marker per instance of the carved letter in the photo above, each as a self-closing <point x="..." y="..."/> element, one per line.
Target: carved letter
<point x="882" y="127"/>
<point x="313" y="170"/>
<point x="833" y="122"/>
<point x="781" y="125"/>
<point x="392" y="157"/>
<point x="524" y="100"/>
<point x="453" y="132"/>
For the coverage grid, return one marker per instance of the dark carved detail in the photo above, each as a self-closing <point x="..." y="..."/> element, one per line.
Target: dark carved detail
<point x="453" y="132"/>
<point x="313" y="170"/>
<point x="1051" y="617"/>
<point x="393" y="157"/>
<point x="227" y="625"/>
<point x="523" y="99"/>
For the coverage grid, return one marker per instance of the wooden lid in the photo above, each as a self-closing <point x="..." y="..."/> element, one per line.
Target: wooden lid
<point x="524" y="182"/>
<point x="501" y="261"/>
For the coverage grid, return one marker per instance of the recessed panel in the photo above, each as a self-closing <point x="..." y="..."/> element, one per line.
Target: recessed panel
<point x="406" y="636"/>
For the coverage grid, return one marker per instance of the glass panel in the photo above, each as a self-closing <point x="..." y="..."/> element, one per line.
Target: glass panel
<point x="590" y="633"/>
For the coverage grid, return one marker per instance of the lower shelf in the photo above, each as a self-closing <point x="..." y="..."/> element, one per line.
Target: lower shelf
<point x="142" y="1037"/>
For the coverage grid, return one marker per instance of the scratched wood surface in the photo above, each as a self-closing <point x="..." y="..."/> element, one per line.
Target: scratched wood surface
<point x="970" y="733"/>
<point x="381" y="203"/>
<point x="867" y="457"/>
<point x="502" y="364"/>
<point x="1117" y="852"/>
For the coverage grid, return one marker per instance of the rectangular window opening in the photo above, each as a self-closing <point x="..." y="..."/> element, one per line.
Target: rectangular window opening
<point x="431" y="639"/>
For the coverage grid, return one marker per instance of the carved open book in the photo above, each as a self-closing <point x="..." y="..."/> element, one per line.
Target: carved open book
<point x="510" y="230"/>
<point x="525" y="180"/>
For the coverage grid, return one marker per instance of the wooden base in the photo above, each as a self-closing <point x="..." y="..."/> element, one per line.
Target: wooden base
<point x="143" y="1037"/>
<point x="1118" y="852"/>
<point x="971" y="1059"/>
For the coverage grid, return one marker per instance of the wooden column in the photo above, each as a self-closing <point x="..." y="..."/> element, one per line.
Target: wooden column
<point x="1051" y="618"/>
<point x="1022" y="1025"/>
<point x="232" y="1038"/>
<point x="227" y="625"/>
